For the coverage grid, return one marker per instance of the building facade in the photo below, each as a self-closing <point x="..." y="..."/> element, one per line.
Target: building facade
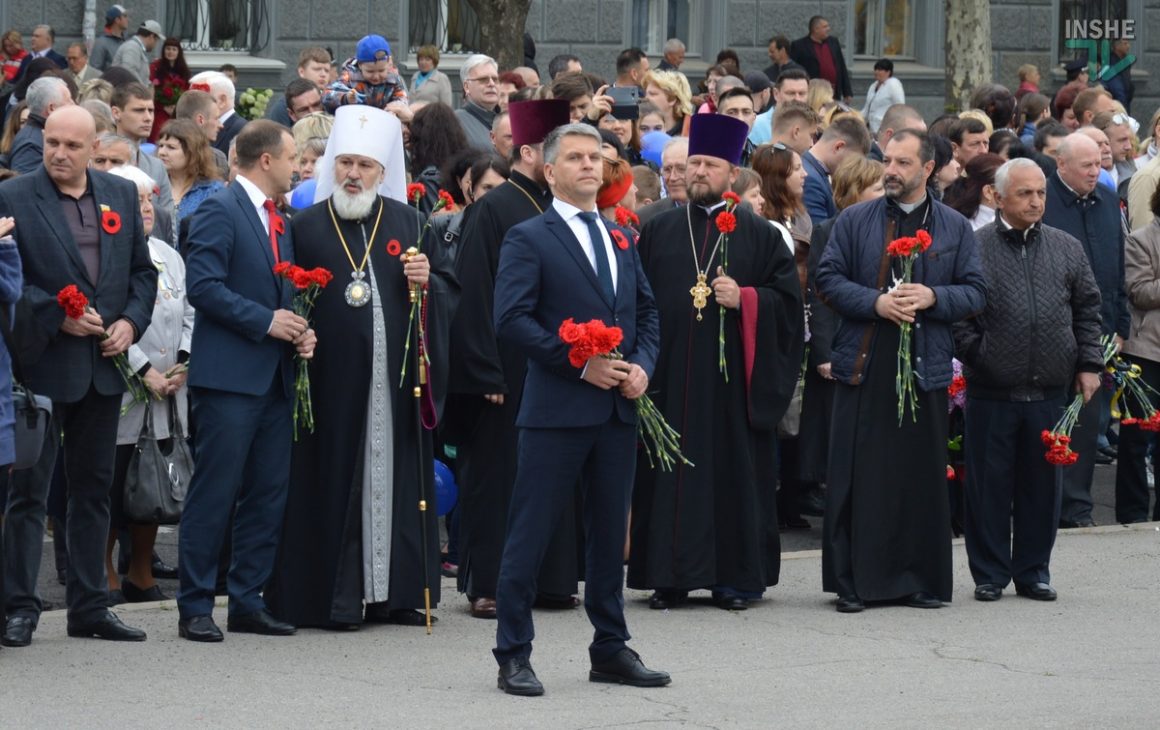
<point x="262" y="37"/>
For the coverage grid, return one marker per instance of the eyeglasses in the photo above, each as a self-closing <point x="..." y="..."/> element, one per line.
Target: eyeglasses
<point x="672" y="169"/>
<point x="486" y="80"/>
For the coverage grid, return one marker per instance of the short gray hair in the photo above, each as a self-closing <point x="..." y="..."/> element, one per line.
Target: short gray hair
<point x="673" y="45"/>
<point x="1003" y="174"/>
<point x="44" y="92"/>
<point x="474" y="60"/>
<point x="552" y="141"/>
<point x="108" y="139"/>
<point x="96" y="107"/>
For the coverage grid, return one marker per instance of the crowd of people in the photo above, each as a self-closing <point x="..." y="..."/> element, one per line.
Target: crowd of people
<point x="742" y="234"/>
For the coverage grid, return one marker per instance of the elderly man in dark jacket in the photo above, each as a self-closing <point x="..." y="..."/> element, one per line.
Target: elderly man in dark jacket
<point x="887" y="527"/>
<point x="1036" y="343"/>
<point x="1091" y="213"/>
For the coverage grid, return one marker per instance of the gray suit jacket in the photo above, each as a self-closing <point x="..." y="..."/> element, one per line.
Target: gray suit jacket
<point x="60" y="366"/>
<point x="132" y="56"/>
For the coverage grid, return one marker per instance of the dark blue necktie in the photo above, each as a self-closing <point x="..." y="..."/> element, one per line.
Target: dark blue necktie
<point x="603" y="271"/>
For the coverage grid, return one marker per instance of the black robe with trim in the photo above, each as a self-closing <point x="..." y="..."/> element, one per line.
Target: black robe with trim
<point x="318" y="577"/>
<point x="485" y="435"/>
<point x="714" y="524"/>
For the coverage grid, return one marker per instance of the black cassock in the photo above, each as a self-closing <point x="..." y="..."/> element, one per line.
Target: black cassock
<point x="714" y="525"/>
<point x="319" y="575"/>
<point x="887" y="526"/>
<point x="485" y="435"/>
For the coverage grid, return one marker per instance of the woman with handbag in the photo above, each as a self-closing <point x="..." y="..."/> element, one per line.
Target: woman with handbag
<point x="153" y="432"/>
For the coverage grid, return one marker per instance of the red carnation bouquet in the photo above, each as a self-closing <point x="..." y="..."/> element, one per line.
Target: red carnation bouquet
<point x="308" y="284"/>
<point x="168" y="90"/>
<point x="1133" y="397"/>
<point x="908" y="249"/>
<point x="596" y="339"/>
<point x="74" y="303"/>
<point x="1058" y="439"/>
<point x="726" y="222"/>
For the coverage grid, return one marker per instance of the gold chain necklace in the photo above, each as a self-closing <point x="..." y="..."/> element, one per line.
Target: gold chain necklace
<point x="357" y="293"/>
<point x="527" y="195"/>
<point x="700" y="291"/>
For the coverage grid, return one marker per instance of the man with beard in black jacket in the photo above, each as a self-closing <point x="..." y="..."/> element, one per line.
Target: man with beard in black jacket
<point x="1035" y="345"/>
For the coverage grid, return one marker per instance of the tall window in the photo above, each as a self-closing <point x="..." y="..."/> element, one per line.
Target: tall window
<point x="204" y="25"/>
<point x="1073" y="12"/>
<point x="655" y="21"/>
<point x="884" y="28"/>
<point x="450" y="25"/>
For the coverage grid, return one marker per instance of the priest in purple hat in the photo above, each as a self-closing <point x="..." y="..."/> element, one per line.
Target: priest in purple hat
<point x="487" y="377"/>
<point x="731" y="350"/>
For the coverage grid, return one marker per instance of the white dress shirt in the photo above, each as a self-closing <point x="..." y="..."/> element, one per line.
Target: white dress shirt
<point x="257" y="199"/>
<point x="571" y="216"/>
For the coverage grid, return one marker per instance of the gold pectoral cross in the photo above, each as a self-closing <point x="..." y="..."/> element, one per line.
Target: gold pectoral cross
<point x="700" y="293"/>
<point x="363" y="121"/>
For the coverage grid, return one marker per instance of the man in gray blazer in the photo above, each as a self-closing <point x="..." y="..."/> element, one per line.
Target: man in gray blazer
<point x="134" y="53"/>
<point x="81" y="227"/>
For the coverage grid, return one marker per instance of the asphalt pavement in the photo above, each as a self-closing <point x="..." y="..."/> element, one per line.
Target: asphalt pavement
<point x="1089" y="659"/>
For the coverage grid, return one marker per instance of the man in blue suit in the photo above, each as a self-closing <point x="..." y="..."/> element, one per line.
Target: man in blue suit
<point x="575" y="423"/>
<point x="243" y="389"/>
<point x="845" y="136"/>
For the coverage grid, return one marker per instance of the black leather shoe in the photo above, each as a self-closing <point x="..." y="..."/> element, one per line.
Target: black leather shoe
<point x="1036" y="591"/>
<point x="850" y="604"/>
<point x="516" y="677"/>
<point x="922" y="599"/>
<point x="556" y="603"/>
<point x="627" y="668"/>
<point x="661" y="600"/>
<point x="409" y="617"/>
<point x="988" y="592"/>
<point x="1109" y="451"/>
<point x="18" y="631"/>
<point x="1103" y="459"/>
<point x="107" y="627"/>
<point x="732" y="603"/>
<point x="1073" y="524"/>
<point x="133" y="594"/>
<point x="161" y="569"/>
<point x="796" y="522"/>
<point x="259" y="622"/>
<point x="199" y="628"/>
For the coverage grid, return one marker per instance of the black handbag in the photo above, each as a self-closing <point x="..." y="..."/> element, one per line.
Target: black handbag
<point x="33" y="412"/>
<point x="159" y="473"/>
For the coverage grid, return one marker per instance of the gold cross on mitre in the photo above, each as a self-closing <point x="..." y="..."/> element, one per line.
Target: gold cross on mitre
<point x="363" y="121"/>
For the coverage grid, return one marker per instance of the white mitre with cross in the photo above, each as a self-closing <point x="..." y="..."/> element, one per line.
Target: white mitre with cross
<point x="370" y="132"/>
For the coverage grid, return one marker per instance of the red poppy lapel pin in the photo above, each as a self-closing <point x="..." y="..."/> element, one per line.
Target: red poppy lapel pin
<point x="110" y="220"/>
<point x="620" y="239"/>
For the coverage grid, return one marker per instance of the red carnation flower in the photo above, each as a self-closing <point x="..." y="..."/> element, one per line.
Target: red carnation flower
<point x="726" y="222"/>
<point x="731" y="198"/>
<point x="415" y="192"/>
<point x="73" y="301"/>
<point x="445" y="201"/>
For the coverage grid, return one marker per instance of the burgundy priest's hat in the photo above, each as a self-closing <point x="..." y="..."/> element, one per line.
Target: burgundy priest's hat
<point x="532" y="120"/>
<point x="717" y="135"/>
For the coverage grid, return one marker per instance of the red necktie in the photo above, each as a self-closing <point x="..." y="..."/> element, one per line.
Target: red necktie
<point x="277" y="227"/>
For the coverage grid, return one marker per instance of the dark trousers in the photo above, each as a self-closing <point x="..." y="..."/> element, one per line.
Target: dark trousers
<point x="89" y="428"/>
<point x="1132" y="469"/>
<point x="1007" y="477"/>
<point x="243" y="447"/>
<point x="550" y="461"/>
<point x="1077" y="478"/>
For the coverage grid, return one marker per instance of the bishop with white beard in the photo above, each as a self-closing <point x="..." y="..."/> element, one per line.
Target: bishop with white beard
<point x="354" y="534"/>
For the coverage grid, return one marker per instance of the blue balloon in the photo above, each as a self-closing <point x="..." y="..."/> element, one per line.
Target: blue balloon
<point x="446" y="490"/>
<point x="651" y="146"/>
<point x="303" y="195"/>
